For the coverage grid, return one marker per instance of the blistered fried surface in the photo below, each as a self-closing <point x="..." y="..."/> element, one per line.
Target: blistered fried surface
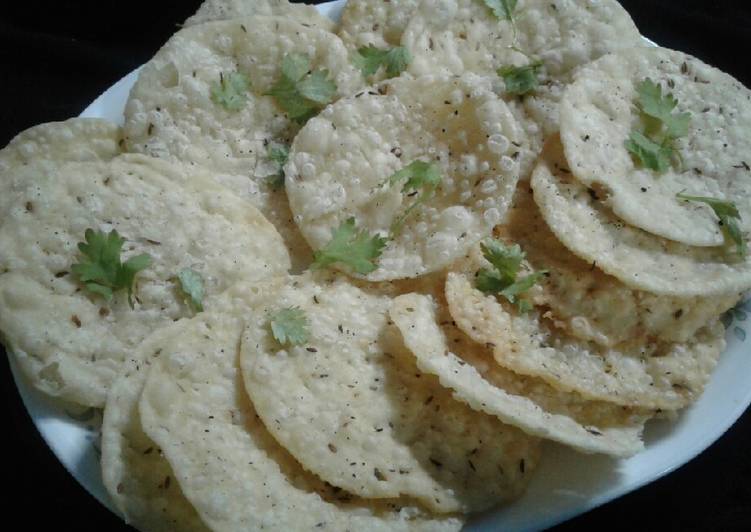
<point x="71" y="343"/>
<point x="598" y="114"/>
<point x="228" y="465"/>
<point x="352" y="407"/>
<point x="170" y="113"/>
<point x="138" y="478"/>
<point x="341" y="162"/>
<point x="639" y="374"/>
<point x="469" y="370"/>
<point x="586" y="226"/>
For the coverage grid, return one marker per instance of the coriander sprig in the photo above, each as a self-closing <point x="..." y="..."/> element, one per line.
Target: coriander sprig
<point x="100" y="268"/>
<point x="654" y="147"/>
<point x="368" y="59"/>
<point x="502" y="9"/>
<point x="290" y="326"/>
<point x="191" y="284"/>
<point x="503" y="278"/>
<point x="728" y="214"/>
<point x="420" y="177"/>
<point x="353" y="248"/>
<point x="278" y="154"/>
<point x="300" y="91"/>
<point x="231" y="90"/>
<point x="520" y="80"/>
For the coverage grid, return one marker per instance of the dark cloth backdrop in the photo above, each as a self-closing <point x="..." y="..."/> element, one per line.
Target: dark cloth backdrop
<point x="56" y="57"/>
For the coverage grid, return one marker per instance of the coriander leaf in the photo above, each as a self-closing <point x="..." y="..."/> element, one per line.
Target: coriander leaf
<point x="523" y="305"/>
<point x="300" y="92"/>
<point x="287" y="96"/>
<point x="230" y="91"/>
<point x="397" y="60"/>
<point x="651" y="155"/>
<point x="520" y="80"/>
<point x="356" y="249"/>
<point x="522" y="285"/>
<point x="728" y="214"/>
<point x="295" y="66"/>
<point x="505" y="259"/>
<point x="100" y="269"/>
<point x="654" y="147"/>
<point x="490" y="282"/>
<point x="317" y="88"/>
<point x="278" y="154"/>
<point x="652" y="103"/>
<point x="502" y="280"/>
<point x="191" y="284"/>
<point x="103" y="291"/>
<point x="290" y="326"/>
<point x="502" y="9"/>
<point x="419" y="175"/>
<point x="369" y="59"/>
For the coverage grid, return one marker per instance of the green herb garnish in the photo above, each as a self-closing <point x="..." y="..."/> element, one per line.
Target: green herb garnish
<point x="278" y="154"/>
<point x="649" y="153"/>
<point x="191" y="283"/>
<point x="300" y="92"/>
<point x="729" y="216"/>
<point x="502" y="9"/>
<point x="290" y="326"/>
<point x="520" y="80"/>
<point x="356" y="249"/>
<point x="369" y="59"/>
<point x="502" y="279"/>
<point x="231" y="91"/>
<point x="420" y="177"/>
<point x="654" y="147"/>
<point x="100" y="269"/>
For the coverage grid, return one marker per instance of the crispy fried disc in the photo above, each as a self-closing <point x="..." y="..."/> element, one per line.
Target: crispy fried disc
<point x="137" y="477"/>
<point x="212" y="10"/>
<point x="590" y="304"/>
<point x="469" y="370"/>
<point x="654" y="376"/>
<point x="459" y="36"/>
<point x="352" y="407"/>
<point x="77" y="139"/>
<point x="639" y="259"/>
<point x="170" y="112"/>
<point x="71" y="343"/>
<point x="342" y="160"/>
<point x="465" y="35"/>
<point x="375" y="22"/>
<point x="598" y="114"/>
<point x="229" y="467"/>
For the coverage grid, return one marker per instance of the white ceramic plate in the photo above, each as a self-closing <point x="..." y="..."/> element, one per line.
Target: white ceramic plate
<point x="565" y="485"/>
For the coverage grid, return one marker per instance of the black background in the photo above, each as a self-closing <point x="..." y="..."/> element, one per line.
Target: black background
<point x="57" y="57"/>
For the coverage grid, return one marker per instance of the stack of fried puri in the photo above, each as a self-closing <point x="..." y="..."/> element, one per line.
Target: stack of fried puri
<point x="416" y="397"/>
